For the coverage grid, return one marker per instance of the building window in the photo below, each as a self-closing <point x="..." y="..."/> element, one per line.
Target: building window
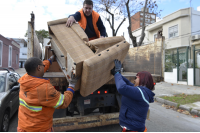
<point x="1" y="52"/>
<point x="10" y="57"/>
<point x="24" y="53"/>
<point x="17" y="59"/>
<point x="155" y="36"/>
<point x="147" y="20"/>
<point x="152" y="21"/>
<point x="25" y="44"/>
<point x="153" y="16"/>
<point x="173" y="31"/>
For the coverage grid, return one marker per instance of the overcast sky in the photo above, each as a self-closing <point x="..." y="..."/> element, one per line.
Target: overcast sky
<point x="15" y="14"/>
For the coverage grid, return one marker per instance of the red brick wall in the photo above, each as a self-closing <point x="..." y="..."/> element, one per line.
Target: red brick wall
<point x="15" y="52"/>
<point x="135" y="21"/>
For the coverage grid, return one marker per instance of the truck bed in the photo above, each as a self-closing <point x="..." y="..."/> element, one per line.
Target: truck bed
<point x="58" y="78"/>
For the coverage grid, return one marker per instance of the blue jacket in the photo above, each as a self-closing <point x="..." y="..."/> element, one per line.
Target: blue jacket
<point x="89" y="27"/>
<point x="134" y="103"/>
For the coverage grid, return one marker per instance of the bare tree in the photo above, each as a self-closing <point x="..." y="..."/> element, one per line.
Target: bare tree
<point x="112" y="8"/>
<point x="119" y="10"/>
<point x="143" y="25"/>
<point x="152" y="6"/>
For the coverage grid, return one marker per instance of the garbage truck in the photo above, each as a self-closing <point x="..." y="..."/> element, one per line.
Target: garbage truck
<point x="96" y="101"/>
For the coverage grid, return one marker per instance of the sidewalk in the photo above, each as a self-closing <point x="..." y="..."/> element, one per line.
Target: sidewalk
<point x="169" y="89"/>
<point x="21" y="71"/>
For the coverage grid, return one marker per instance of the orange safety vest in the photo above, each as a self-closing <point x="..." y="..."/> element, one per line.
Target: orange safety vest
<point x="37" y="102"/>
<point x="83" y="22"/>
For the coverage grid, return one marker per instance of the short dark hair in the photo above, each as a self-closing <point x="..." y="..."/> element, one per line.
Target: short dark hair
<point x="88" y="2"/>
<point x="146" y="79"/>
<point x="31" y="64"/>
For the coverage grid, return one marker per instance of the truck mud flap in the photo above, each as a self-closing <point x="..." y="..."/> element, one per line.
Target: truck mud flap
<point x="72" y="123"/>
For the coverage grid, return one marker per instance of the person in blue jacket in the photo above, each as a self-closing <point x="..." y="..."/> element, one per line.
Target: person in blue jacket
<point x="135" y="99"/>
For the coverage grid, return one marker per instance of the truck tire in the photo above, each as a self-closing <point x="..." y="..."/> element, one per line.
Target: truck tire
<point x="69" y="113"/>
<point x="5" y="121"/>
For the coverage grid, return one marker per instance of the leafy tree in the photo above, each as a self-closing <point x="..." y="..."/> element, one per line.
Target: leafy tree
<point x="41" y="34"/>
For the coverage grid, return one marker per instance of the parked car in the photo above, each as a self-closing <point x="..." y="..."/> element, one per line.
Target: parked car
<point x="9" y="96"/>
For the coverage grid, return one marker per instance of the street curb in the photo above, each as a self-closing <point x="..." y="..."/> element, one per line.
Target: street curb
<point x="198" y="114"/>
<point x="194" y="112"/>
<point x="183" y="107"/>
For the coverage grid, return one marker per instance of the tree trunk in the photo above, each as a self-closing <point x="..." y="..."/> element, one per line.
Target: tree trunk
<point x="133" y="38"/>
<point x="111" y="24"/>
<point x="143" y="25"/>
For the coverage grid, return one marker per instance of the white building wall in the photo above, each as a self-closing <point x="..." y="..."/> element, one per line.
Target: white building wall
<point x="152" y="33"/>
<point x="45" y="42"/>
<point x="175" y="41"/>
<point x="195" y="22"/>
<point x="190" y="76"/>
<point x="171" y="77"/>
<point x="137" y="34"/>
<point x="23" y="52"/>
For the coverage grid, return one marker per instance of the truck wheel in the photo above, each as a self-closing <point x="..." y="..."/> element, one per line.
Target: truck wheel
<point x="5" y="121"/>
<point x="69" y="113"/>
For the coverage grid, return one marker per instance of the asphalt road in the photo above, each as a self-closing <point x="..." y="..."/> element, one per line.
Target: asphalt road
<point x="161" y="120"/>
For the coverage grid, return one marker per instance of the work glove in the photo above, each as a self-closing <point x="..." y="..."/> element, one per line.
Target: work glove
<point x="73" y="80"/>
<point x="52" y="58"/>
<point x="117" y="67"/>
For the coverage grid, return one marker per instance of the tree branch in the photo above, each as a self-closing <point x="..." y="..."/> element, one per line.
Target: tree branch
<point x="112" y="27"/>
<point x="120" y="25"/>
<point x="143" y="25"/>
<point x="133" y="39"/>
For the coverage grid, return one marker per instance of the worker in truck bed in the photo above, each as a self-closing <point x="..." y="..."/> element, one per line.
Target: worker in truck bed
<point x="89" y="20"/>
<point x="135" y="99"/>
<point x="38" y="98"/>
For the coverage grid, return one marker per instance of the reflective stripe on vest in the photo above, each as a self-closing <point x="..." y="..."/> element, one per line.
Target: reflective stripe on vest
<point x="32" y="108"/>
<point x="143" y="96"/>
<point x="60" y="101"/>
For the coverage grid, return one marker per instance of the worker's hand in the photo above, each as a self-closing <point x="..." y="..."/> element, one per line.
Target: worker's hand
<point x="52" y="58"/>
<point x="70" y="21"/>
<point x="117" y="67"/>
<point x="73" y="80"/>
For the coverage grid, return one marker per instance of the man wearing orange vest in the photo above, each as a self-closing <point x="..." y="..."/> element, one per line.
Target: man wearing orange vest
<point x="38" y="99"/>
<point x="89" y="20"/>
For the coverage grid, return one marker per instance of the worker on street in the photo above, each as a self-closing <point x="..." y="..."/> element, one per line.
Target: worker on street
<point x="135" y="99"/>
<point x="89" y="20"/>
<point x="38" y="98"/>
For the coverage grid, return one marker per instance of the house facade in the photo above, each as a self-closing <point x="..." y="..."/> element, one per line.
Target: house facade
<point x="9" y="53"/>
<point x="23" y="51"/>
<point x="179" y="29"/>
